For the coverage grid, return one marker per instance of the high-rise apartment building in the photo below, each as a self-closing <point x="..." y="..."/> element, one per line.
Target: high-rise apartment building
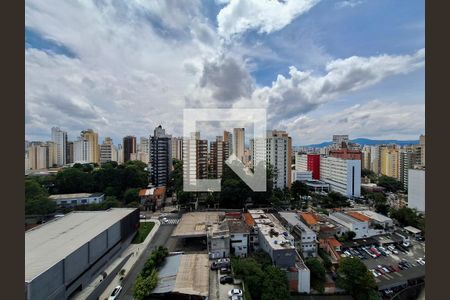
<point x="177" y="148"/>
<point x="120" y="154"/>
<point x="416" y="189"/>
<point x="129" y="147"/>
<point x="81" y="153"/>
<point x="345" y="153"/>
<point x="106" y="150"/>
<point x="69" y="153"/>
<point x="422" y="150"/>
<point x="37" y="156"/>
<point x="343" y="175"/>
<point x="228" y="137"/>
<point x="366" y="158"/>
<point x="276" y="151"/>
<point x="340" y="141"/>
<point x="407" y="161"/>
<point x="52" y="154"/>
<point x="239" y="143"/>
<point x="59" y="137"/>
<point x="390" y="161"/>
<point x="160" y="156"/>
<point x="375" y="159"/>
<point x="218" y="155"/>
<point x="195" y="158"/>
<point x="93" y="148"/>
<point x="143" y="150"/>
<point x="308" y="162"/>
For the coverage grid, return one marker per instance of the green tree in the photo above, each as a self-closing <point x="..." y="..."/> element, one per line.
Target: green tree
<point x="317" y="274"/>
<point x="355" y="278"/>
<point x="36" y="199"/>
<point x="390" y="184"/>
<point x="144" y="285"/>
<point x="275" y="284"/>
<point x="131" y="195"/>
<point x="298" y="189"/>
<point x="407" y="217"/>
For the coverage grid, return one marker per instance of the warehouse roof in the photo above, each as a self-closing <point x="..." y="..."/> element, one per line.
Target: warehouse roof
<point x="48" y="244"/>
<point x="184" y="274"/>
<point x="74" y="196"/>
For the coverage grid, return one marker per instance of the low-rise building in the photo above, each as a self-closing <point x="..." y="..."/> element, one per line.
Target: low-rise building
<point x="301" y="175"/>
<point x="239" y="237"/>
<point x="218" y="240"/>
<point x="65" y="200"/>
<point x="376" y="218"/>
<point x="359" y="226"/>
<point x="333" y="248"/>
<point x="305" y="238"/>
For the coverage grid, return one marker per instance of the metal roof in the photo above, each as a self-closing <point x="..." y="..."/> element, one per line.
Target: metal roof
<point x="48" y="244"/>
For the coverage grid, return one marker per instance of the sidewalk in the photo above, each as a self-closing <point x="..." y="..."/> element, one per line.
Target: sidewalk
<point x="135" y="250"/>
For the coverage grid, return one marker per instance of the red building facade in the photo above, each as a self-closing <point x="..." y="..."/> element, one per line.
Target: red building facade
<point x="313" y="164"/>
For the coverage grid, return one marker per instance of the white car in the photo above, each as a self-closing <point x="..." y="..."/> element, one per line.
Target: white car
<point x="234" y="292"/>
<point x="165" y="220"/>
<point x="115" y="293"/>
<point x="374" y="273"/>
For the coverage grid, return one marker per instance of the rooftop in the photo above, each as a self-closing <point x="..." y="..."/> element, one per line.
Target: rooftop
<point x="238" y="226"/>
<point x="74" y="196"/>
<point x="358" y="216"/>
<point x="184" y="274"/>
<point x="249" y="219"/>
<point x="193" y="224"/>
<point x="375" y="216"/>
<point x="293" y="219"/>
<point x="51" y="242"/>
<point x="412" y="229"/>
<point x="309" y="218"/>
<point x="275" y="234"/>
<point x="346" y="218"/>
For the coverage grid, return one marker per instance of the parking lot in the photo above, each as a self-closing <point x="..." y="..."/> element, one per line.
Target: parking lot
<point x="398" y="276"/>
<point x="218" y="291"/>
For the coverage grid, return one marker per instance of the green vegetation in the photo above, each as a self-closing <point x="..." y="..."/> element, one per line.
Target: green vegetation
<point x="332" y="200"/>
<point x="347" y="236"/>
<point x="119" y="183"/>
<point x="317" y="274"/>
<point x="143" y="231"/>
<point x="408" y="217"/>
<point x="234" y="192"/>
<point x="326" y="259"/>
<point x="355" y="278"/>
<point x="370" y="174"/>
<point x="262" y="279"/>
<point x="390" y="184"/>
<point x="36" y="199"/>
<point x="380" y="202"/>
<point x="148" y="279"/>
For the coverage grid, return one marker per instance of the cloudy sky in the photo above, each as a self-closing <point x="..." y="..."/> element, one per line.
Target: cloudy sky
<point x="319" y="67"/>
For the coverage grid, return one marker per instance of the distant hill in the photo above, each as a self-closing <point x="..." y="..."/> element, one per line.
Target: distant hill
<point x="368" y="142"/>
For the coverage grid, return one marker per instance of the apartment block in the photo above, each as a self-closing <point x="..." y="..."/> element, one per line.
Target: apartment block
<point x="343" y="175"/>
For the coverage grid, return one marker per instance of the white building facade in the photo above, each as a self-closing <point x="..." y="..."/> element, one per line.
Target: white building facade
<point x="416" y="189"/>
<point x="343" y="175"/>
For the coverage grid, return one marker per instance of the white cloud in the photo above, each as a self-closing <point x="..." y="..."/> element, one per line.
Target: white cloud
<point x="305" y="91"/>
<point x="131" y="69"/>
<point x="375" y="119"/>
<point x="267" y="16"/>
<point x="348" y="3"/>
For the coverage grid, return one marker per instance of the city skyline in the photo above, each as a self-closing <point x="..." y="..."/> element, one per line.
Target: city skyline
<point x="294" y="60"/>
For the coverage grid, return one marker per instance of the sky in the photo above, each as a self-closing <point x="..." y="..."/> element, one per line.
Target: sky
<point x="319" y="67"/>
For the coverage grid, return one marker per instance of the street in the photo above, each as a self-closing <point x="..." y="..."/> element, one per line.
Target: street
<point x="160" y="239"/>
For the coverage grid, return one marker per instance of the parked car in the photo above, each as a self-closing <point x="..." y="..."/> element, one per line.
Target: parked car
<point x="115" y="293"/>
<point x="142" y="217"/>
<point x="225" y="270"/>
<point x="374" y="273"/>
<point x="226" y="279"/>
<point x="234" y="292"/>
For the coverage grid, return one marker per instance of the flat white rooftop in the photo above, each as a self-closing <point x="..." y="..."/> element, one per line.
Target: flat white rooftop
<point x="73" y="196"/>
<point x="273" y="232"/>
<point x="375" y="216"/>
<point x="48" y="244"/>
<point x="194" y="224"/>
<point x="294" y="220"/>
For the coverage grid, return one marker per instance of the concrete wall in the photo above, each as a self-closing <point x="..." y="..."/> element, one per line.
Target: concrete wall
<point x="304" y="284"/>
<point x="98" y="246"/>
<point x="283" y="258"/>
<point x="76" y="263"/>
<point x="48" y="283"/>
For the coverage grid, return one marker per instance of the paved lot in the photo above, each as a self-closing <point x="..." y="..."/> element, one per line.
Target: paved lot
<point x="416" y="251"/>
<point x="224" y="288"/>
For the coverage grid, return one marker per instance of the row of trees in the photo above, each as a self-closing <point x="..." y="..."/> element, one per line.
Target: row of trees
<point x="263" y="280"/>
<point x="148" y="278"/>
<point x="119" y="183"/>
<point x="235" y="192"/>
<point x="408" y="217"/>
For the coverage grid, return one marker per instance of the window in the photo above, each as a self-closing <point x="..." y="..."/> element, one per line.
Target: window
<point x="84" y="201"/>
<point x="74" y="201"/>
